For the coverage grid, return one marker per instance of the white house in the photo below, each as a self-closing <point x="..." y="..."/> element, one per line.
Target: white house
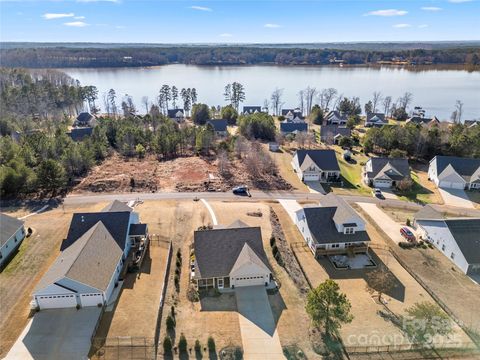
<point x="177" y="115"/>
<point x="333" y="228"/>
<point x="316" y="165"/>
<point x="12" y="233"/>
<point x="335" y="117"/>
<point x="230" y="257"/>
<point x="384" y="172"/>
<point x="458" y="239"/>
<point x="219" y="126"/>
<point x="375" y="119"/>
<point x="451" y="172"/>
<point x="91" y="260"/>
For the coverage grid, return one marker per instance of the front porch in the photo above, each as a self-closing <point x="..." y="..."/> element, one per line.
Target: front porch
<point x="213" y="283"/>
<point x="350" y="249"/>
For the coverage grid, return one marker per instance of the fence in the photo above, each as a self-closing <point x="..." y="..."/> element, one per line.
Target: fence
<point x="452" y="348"/>
<point x="129" y="348"/>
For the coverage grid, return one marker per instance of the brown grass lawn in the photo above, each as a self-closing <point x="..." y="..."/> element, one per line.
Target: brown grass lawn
<point x="283" y="160"/>
<point x="36" y="254"/>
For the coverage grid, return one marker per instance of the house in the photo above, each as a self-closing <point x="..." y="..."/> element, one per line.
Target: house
<point x="471" y="123"/>
<point x="85" y="119"/>
<point x="456" y="238"/>
<point x="230" y="257"/>
<point x="335" y="117"/>
<point x="78" y="134"/>
<point x="12" y="233"/>
<point x="177" y="115"/>
<point x="294" y="115"/>
<point x="92" y="257"/>
<point x="422" y="121"/>
<point x="290" y="127"/>
<point x="248" y="110"/>
<point x="375" y="119"/>
<point x="382" y="172"/>
<point x="316" y="165"/>
<point x="452" y="172"/>
<point x="331" y="134"/>
<point x="332" y="228"/>
<point x="219" y="126"/>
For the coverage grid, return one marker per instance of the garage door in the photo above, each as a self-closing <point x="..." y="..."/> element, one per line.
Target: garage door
<point x="249" y="281"/>
<point x="310" y="177"/>
<point x="91" y="299"/>
<point x="56" y="301"/>
<point x="382" y="183"/>
<point x="451" y="185"/>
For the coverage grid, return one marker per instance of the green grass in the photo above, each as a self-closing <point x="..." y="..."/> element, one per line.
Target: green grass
<point x="17" y="257"/>
<point x="417" y="192"/>
<point x="352" y="173"/>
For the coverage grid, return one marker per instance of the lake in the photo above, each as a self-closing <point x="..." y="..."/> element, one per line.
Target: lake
<point x="436" y="90"/>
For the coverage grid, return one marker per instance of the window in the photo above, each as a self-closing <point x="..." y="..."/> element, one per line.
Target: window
<point x="443" y="247"/>
<point x="452" y="256"/>
<point x="333" y="246"/>
<point x="349" y="230"/>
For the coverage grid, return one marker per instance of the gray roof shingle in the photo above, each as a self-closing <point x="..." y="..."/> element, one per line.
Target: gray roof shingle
<point x="8" y="227"/>
<point x="218" y="124"/>
<point x="465" y="167"/>
<point x="333" y="130"/>
<point x="388" y="167"/>
<point x="324" y="159"/>
<point x="117" y="206"/>
<point x="466" y="233"/>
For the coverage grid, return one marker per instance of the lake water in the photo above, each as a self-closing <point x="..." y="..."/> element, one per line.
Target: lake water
<point x="436" y="90"/>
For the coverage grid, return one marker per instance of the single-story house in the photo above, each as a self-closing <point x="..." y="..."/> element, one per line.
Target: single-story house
<point x="385" y="172"/>
<point x="458" y="239"/>
<point x="247" y="110"/>
<point x="230" y="257"/>
<point x="422" y="121"/>
<point x="80" y="133"/>
<point x="294" y="115"/>
<point x="452" y="172"/>
<point x="316" y="165"/>
<point x="332" y="228"/>
<point x="219" y="126"/>
<point x="92" y="258"/>
<point x="177" y="115"/>
<point x="471" y="123"/>
<point x="85" y="119"/>
<point x="290" y="127"/>
<point x="375" y="119"/>
<point x="331" y="134"/>
<point x="12" y="233"/>
<point x="335" y="117"/>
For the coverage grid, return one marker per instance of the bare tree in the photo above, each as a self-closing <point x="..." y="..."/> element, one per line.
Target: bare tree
<point x="381" y="280"/>
<point x="145" y="103"/>
<point x="223" y="163"/>
<point x="309" y="96"/>
<point x="337" y="101"/>
<point x="377" y="98"/>
<point x="405" y="100"/>
<point x="301" y="101"/>
<point x="241" y="147"/>
<point x="387" y="102"/>
<point x="459" y="110"/>
<point x="300" y="139"/>
<point x="276" y="99"/>
<point x="266" y="105"/>
<point x="326" y="98"/>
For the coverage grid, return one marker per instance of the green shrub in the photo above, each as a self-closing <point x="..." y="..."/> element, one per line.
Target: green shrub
<point x="272" y="241"/>
<point x="179" y="255"/>
<point x="178" y="263"/>
<point x="198" y="347"/>
<point x="182" y="344"/>
<point x="167" y="345"/>
<point x="406" y="245"/>
<point x="274" y="250"/>
<point x="170" y="322"/>
<point x="408" y="222"/>
<point x="172" y="311"/>
<point x="211" y="344"/>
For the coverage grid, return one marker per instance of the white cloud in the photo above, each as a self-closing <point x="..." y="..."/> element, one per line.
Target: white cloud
<point x="272" y="26"/>
<point x="402" y="26"/>
<point x="387" y="12"/>
<point x="423" y="26"/>
<point x="225" y="35"/>
<point x="431" y="8"/>
<point x="76" y="24"/>
<point x="459" y="1"/>
<point x="200" y="8"/>
<point x="79" y="17"/>
<point x="50" y="16"/>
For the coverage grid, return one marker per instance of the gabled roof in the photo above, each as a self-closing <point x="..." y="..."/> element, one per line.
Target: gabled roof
<point x="248" y="256"/>
<point x="290" y="126"/>
<point x="343" y="211"/>
<point x="465" y="167"/>
<point x="333" y="130"/>
<point x="137" y="230"/>
<point x="335" y="114"/>
<point x="466" y="234"/>
<point x="471" y="123"/>
<point x="324" y="159"/>
<point x="218" y="124"/>
<point x="376" y="117"/>
<point x="217" y="250"/>
<point x="115" y="222"/>
<point x="389" y="168"/>
<point x="84" y="117"/>
<point x="78" y="134"/>
<point x="116" y="206"/>
<point x="251" y="109"/>
<point x="8" y="227"/>
<point x="91" y="260"/>
<point x="172" y="113"/>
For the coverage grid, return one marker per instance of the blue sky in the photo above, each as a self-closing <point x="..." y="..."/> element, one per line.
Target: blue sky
<point x="238" y="21"/>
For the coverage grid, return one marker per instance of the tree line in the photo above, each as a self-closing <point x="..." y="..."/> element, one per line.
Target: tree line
<point x="54" y="57"/>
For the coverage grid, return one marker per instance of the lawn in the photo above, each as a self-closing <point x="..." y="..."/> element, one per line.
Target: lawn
<point x="417" y="193"/>
<point x="351" y="173"/>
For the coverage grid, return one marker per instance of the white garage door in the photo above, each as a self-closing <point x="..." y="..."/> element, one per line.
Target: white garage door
<point x="249" y="281"/>
<point x="91" y="299"/>
<point x="382" y="183"/>
<point x="451" y="185"/>
<point x="310" y="177"/>
<point x="56" y="301"/>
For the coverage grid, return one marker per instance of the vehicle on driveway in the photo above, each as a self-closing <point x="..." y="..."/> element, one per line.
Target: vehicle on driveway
<point x="378" y="194"/>
<point x="407" y="234"/>
<point x="241" y="190"/>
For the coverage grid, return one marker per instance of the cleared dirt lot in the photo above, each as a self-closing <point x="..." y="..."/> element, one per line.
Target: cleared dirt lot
<point x="36" y="254"/>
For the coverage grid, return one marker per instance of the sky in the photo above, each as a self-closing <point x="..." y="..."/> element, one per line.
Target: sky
<point x="238" y="21"/>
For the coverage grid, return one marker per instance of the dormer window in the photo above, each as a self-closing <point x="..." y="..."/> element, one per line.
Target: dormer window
<point x="349" y="230"/>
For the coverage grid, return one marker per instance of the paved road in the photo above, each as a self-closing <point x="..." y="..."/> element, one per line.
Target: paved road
<point x="259" y="333"/>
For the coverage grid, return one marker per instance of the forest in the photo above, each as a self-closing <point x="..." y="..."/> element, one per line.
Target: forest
<point x="54" y="57"/>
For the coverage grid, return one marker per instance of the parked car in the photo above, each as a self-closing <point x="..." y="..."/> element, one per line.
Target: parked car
<point x="241" y="190"/>
<point x="378" y="194"/>
<point x="407" y="234"/>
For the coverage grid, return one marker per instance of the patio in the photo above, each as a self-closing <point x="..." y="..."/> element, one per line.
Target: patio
<point x="359" y="261"/>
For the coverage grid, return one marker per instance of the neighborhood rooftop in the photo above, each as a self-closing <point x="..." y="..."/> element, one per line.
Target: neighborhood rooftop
<point x="8" y="227"/>
<point x="467" y="236"/>
<point x="324" y="159"/>
<point x="465" y="167"/>
<point x="390" y="168"/>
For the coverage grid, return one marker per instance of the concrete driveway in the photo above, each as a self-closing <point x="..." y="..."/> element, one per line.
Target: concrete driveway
<point x="388" y="225"/>
<point x="456" y="197"/>
<point x="57" y="334"/>
<point x="259" y="334"/>
<point x="290" y="206"/>
<point x="315" y="187"/>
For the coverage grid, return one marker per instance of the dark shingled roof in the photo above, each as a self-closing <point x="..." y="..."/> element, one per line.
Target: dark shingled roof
<point x="8" y="227"/>
<point x="172" y="114"/>
<point x="115" y="222"/>
<point x="218" y="124"/>
<point x="84" y="117"/>
<point x="466" y="233"/>
<point x="217" y="250"/>
<point x="325" y="159"/>
<point x="465" y="167"/>
<point x="323" y="230"/>
<point x="78" y="134"/>
<point x="138" y="229"/>
<point x="371" y="117"/>
<point x="381" y="166"/>
<point x="332" y="130"/>
<point x="289" y="127"/>
<point x="117" y="206"/>
<point x="252" y="109"/>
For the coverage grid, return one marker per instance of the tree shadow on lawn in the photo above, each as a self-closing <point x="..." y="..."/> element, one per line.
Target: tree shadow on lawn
<point x="214" y="301"/>
<point x="131" y="277"/>
<point x="398" y="289"/>
<point x="413" y="192"/>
